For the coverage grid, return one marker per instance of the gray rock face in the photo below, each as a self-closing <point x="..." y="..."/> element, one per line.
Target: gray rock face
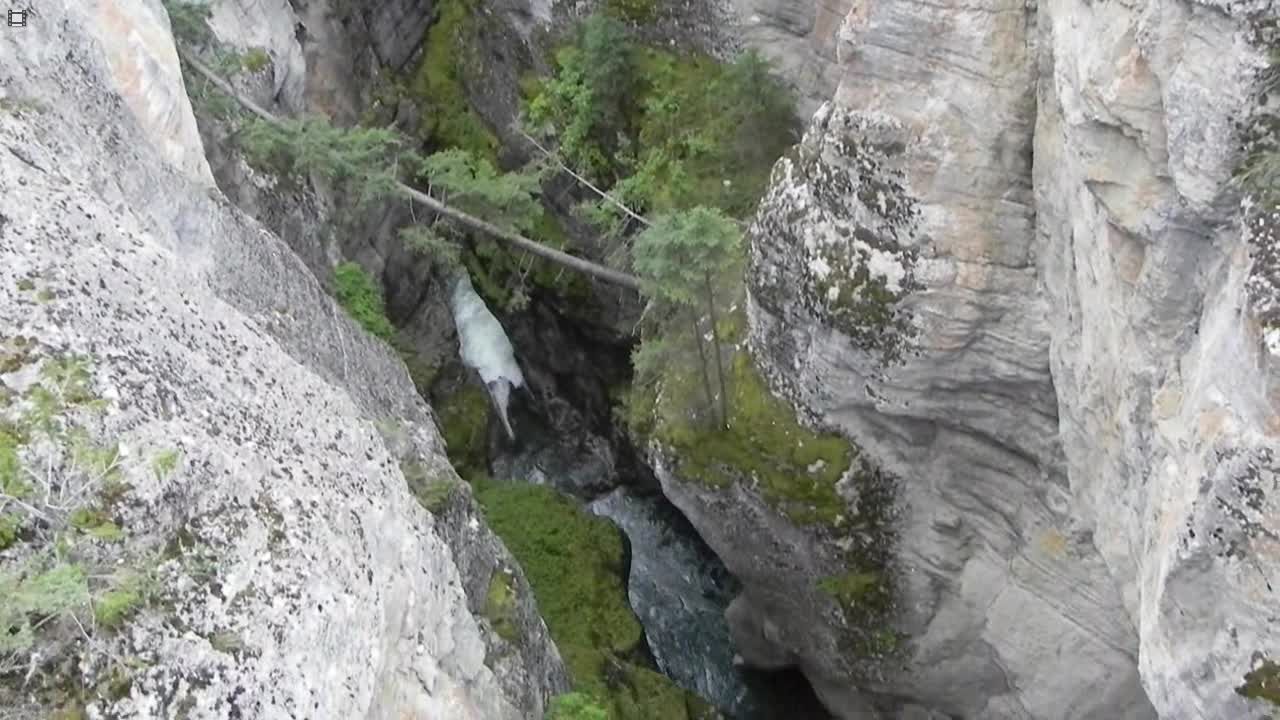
<point x="296" y="430"/>
<point x="799" y="37"/>
<point x="1161" y="355"/>
<point x="1007" y="262"/>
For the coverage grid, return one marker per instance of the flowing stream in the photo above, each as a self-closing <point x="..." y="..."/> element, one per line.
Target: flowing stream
<point x="677" y="586"/>
<point x="679" y="589"/>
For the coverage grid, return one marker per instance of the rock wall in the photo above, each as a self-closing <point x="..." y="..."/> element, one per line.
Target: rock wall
<point x="1167" y="414"/>
<point x="296" y="431"/>
<point x="799" y="38"/>
<point x="1008" y="263"/>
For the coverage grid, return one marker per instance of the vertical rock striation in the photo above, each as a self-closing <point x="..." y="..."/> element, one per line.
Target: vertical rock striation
<point x="1165" y="381"/>
<point x="1008" y="263"/>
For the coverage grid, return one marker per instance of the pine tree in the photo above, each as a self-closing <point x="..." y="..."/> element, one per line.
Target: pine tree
<point x="683" y="257"/>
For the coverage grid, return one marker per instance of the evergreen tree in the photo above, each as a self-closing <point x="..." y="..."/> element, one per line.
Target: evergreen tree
<point x="684" y="257"/>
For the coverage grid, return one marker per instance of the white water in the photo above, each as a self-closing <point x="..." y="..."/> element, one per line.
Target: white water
<point x="484" y="346"/>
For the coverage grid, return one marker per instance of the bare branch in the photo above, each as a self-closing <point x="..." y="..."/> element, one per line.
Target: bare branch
<point x="590" y="186"/>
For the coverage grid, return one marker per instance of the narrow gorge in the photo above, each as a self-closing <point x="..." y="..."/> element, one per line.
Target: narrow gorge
<point x="639" y="359"/>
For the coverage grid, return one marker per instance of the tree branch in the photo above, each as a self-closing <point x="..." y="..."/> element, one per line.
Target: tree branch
<point x="560" y="258"/>
<point x="611" y="199"/>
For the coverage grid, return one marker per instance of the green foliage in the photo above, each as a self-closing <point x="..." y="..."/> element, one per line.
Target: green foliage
<point x="118" y="604"/>
<point x="189" y="20"/>
<point x="794" y="468"/>
<point x="680" y="252"/>
<point x="255" y="59"/>
<point x="12" y="482"/>
<point x="500" y="606"/>
<point x="472" y="184"/>
<point x="689" y="261"/>
<point x="96" y="523"/>
<point x="1262" y="683"/>
<point x="359" y="294"/>
<point x="575" y="706"/>
<point x="574" y="561"/>
<point x="363" y="158"/>
<point x="663" y="131"/>
<point x="33" y="592"/>
<point x="10" y="526"/>
<point x="448" y="120"/>
<point x="432" y="241"/>
<point x="588" y="103"/>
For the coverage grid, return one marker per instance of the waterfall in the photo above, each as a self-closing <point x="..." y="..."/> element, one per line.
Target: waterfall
<point x="484" y="346"/>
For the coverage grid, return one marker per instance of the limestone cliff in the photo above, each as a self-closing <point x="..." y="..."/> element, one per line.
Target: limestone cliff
<point x="265" y="444"/>
<point x="1008" y="262"/>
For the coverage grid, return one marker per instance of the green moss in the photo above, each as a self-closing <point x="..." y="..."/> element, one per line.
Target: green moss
<point x="795" y="469"/>
<point x="1262" y="683"/>
<point x="639" y="12"/>
<point x="574" y="562"/>
<point x="464" y="423"/>
<point x="229" y="643"/>
<point x="861" y="594"/>
<point x="10" y="524"/>
<point x="96" y="523"/>
<point x="433" y="493"/>
<point x="255" y="60"/>
<point x="500" y="606"/>
<point x="361" y="296"/>
<point x="164" y="463"/>
<point x="439" y="89"/>
<point x="26" y="284"/>
<point x="576" y="706"/>
<point x="114" y="607"/>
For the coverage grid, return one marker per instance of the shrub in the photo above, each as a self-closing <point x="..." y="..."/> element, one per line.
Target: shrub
<point x="39" y="589"/>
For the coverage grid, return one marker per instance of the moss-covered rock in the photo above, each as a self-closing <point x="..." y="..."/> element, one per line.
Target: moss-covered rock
<point x="575" y="563"/>
<point x="500" y="606"/>
<point x="1262" y="683"/>
<point x="794" y="468"/>
<point x="464" y="423"/>
<point x="433" y="491"/>
<point x="438" y="85"/>
<point x="836" y="242"/>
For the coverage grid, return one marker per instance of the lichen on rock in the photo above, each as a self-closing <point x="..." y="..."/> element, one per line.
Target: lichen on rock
<point x="836" y="235"/>
<point x="283" y="529"/>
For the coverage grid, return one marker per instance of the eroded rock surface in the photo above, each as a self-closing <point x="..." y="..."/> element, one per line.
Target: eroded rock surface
<point x="331" y="592"/>
<point x="1009" y="264"/>
<point x="1164" y="376"/>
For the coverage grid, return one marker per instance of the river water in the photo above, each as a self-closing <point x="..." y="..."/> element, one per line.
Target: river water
<point x="680" y="589"/>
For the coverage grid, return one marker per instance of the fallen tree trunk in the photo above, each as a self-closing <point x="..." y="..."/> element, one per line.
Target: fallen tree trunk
<point x="534" y="247"/>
